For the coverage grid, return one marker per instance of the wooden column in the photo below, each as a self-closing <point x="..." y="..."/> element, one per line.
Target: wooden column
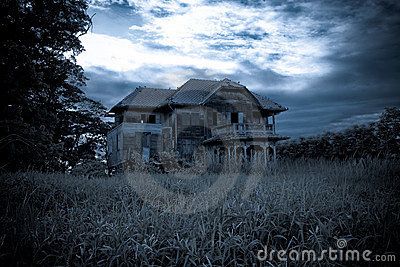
<point x="273" y="122"/>
<point x="206" y="156"/>
<point x="175" y="117"/>
<point x="245" y="152"/>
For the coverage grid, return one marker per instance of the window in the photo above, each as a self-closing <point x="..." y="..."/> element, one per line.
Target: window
<point x="256" y="117"/>
<point x="147" y="118"/>
<point x="152" y="119"/>
<point x="215" y="118"/>
<point x="143" y="118"/>
<point x="227" y="117"/>
<point x="234" y="117"/>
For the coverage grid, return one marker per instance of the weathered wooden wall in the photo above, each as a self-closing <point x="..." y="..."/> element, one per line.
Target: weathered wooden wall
<point x="182" y="129"/>
<point x="190" y="130"/>
<point x="227" y="100"/>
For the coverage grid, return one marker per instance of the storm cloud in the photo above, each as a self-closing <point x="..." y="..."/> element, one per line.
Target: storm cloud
<point x="332" y="63"/>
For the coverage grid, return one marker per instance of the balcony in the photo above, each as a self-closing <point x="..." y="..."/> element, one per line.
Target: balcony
<point x="243" y="129"/>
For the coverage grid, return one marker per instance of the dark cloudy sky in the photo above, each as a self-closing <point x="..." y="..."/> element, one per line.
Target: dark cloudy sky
<point x="333" y="63"/>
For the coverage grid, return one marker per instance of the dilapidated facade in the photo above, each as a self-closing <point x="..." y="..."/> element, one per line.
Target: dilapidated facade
<point x="222" y="117"/>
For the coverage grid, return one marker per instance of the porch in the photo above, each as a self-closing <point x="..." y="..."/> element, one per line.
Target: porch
<point x="245" y="151"/>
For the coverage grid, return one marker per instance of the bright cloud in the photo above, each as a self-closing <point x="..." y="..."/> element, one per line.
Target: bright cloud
<point x="235" y="33"/>
<point x="122" y="55"/>
<point x="217" y="38"/>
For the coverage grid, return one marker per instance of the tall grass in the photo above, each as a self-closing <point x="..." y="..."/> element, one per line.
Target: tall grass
<point x="143" y="219"/>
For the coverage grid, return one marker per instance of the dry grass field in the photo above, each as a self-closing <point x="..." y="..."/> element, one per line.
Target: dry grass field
<point x="208" y="219"/>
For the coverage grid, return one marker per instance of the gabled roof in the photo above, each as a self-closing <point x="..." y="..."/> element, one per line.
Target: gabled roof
<point x="196" y="91"/>
<point x="193" y="92"/>
<point x="143" y="97"/>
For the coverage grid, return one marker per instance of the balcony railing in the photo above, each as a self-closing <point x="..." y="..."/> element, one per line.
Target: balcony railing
<point x="238" y="129"/>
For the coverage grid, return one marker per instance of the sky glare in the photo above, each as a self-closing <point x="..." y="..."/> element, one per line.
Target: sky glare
<point x="333" y="63"/>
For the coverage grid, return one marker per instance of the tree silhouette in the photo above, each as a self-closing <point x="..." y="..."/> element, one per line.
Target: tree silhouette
<point x="47" y="122"/>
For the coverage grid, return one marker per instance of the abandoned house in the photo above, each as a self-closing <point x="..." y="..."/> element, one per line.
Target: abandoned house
<point x="222" y="117"/>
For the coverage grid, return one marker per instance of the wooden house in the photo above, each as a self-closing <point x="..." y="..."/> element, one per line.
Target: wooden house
<point x="221" y="117"/>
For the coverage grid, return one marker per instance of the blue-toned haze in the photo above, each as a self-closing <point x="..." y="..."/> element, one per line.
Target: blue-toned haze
<point x="333" y="63"/>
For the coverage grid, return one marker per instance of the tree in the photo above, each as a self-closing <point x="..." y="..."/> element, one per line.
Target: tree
<point x="378" y="139"/>
<point x="388" y="129"/>
<point x="42" y="106"/>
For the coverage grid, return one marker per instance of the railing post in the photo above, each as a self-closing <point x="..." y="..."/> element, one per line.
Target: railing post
<point x="265" y="154"/>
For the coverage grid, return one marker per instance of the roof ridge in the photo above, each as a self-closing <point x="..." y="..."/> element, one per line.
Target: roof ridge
<point x="209" y="80"/>
<point x="153" y="88"/>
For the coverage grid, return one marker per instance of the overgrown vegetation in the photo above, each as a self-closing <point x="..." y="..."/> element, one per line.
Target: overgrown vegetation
<point x="378" y="139"/>
<point x="58" y="219"/>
